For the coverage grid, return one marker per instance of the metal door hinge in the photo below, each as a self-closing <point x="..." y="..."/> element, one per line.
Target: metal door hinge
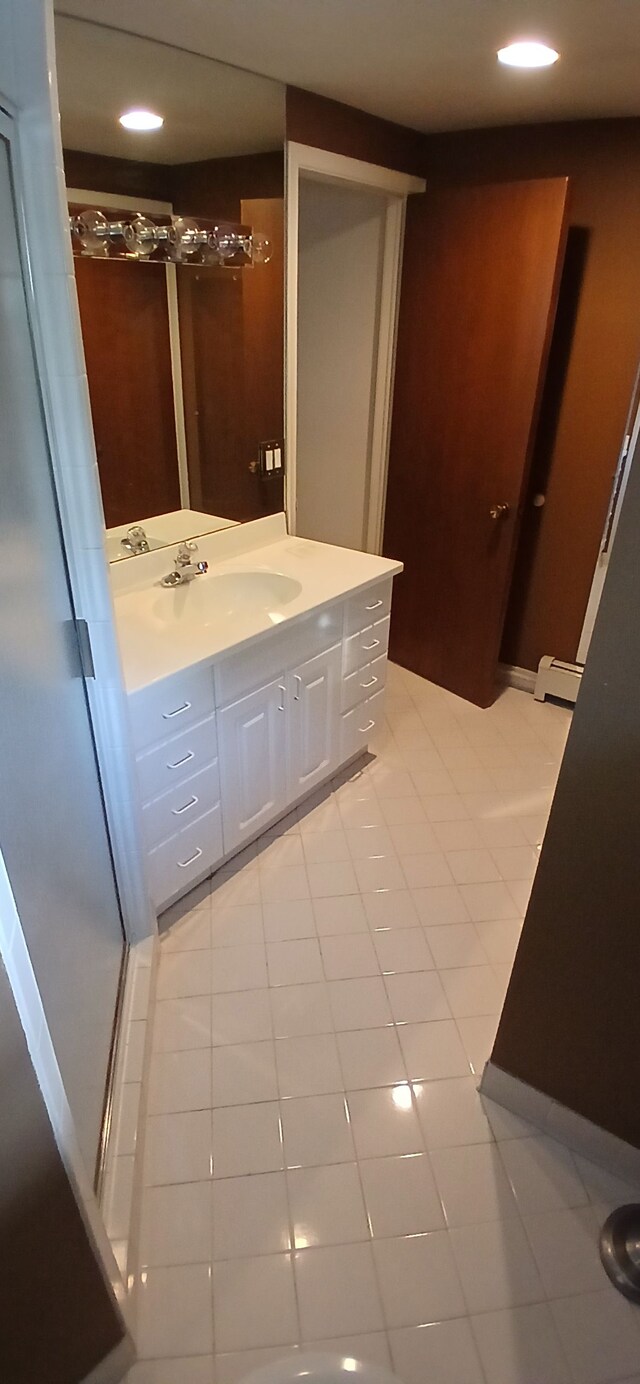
<point x="80" y="646"/>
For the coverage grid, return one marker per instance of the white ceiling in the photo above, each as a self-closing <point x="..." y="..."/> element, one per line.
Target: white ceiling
<point x="210" y="110"/>
<point x="426" y="63"/>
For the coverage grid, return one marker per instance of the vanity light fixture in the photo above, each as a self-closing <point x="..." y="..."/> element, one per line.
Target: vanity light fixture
<point x="528" y="53"/>
<point x="141" y="120"/>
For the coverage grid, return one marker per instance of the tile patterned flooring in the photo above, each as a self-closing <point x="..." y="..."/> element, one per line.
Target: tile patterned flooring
<point x="318" y="1164"/>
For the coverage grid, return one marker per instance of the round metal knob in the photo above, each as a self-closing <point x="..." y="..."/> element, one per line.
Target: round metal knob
<point x="499" y="511"/>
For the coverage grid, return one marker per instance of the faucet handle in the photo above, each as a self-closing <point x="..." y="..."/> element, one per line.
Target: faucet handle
<point x="136" y="540"/>
<point x="185" y="553"/>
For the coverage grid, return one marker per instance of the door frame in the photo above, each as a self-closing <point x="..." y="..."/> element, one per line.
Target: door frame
<point x="321" y="165"/>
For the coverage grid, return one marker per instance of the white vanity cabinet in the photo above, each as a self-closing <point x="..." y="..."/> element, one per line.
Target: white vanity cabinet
<point x="225" y="749"/>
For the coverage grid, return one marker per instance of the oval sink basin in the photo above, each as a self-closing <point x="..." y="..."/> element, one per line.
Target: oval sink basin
<point x="225" y="595"/>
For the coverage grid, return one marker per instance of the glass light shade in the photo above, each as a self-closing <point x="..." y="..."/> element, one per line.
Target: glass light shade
<point x="527" y="53"/>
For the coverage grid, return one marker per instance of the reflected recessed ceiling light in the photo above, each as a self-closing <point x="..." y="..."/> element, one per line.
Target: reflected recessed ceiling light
<point x="141" y="120"/>
<point x="528" y="53"/>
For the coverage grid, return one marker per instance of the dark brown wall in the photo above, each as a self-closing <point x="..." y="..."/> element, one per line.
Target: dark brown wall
<point x="569" y="1022"/>
<point x="326" y="124"/>
<point x="593" y="363"/>
<point x="57" y="1318"/>
<point x="127" y="177"/>
<point x="216" y="187"/>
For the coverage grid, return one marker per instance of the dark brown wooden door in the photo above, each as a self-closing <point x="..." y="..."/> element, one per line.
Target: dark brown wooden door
<point x="479" y="287"/>
<point x="125" y="330"/>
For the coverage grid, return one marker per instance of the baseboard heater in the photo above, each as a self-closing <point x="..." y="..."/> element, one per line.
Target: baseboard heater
<point x="555" y="678"/>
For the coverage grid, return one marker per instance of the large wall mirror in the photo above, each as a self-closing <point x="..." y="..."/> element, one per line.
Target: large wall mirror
<point x="178" y="236"/>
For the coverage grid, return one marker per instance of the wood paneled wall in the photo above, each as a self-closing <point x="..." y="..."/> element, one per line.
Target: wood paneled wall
<point x="326" y="124"/>
<point x="593" y="362"/>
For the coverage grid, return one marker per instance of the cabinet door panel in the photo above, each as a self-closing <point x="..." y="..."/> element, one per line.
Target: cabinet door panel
<point x="252" y="756"/>
<point x="314" y="702"/>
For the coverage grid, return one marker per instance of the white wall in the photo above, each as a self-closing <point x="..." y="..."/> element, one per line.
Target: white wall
<point x="341" y="243"/>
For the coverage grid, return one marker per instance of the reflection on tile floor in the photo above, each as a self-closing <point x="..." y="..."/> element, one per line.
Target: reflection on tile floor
<point x="319" y="1167"/>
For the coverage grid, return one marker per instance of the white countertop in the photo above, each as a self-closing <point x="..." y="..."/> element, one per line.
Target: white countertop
<point x="163" y="529"/>
<point x="154" y="645"/>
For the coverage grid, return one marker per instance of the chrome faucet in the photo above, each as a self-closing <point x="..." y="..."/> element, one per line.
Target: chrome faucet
<point x="135" y="540"/>
<point x="185" y="568"/>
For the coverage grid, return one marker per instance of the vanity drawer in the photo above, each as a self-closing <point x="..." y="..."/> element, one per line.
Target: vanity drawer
<point x="177" y="759"/>
<point x="167" y="706"/>
<point x="361" y="648"/>
<point x="185" y="802"/>
<point x="367" y="607"/>
<point x="364" y="683"/>
<point x="357" y="726"/>
<point x="175" y="864"/>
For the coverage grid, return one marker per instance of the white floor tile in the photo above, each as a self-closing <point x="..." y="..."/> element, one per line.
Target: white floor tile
<point x="243" y="1016"/>
<point x="438" y="1353"/>
<point x="317" y="1131"/>
<point x="471" y="991"/>
<point x="243" y="1073"/>
<point x="184" y="973"/>
<point x="175" y="1226"/>
<point x="445" y="807"/>
<point x="371" y="1055"/>
<point x="283" y="883"/>
<point x="500" y="939"/>
<point x="247" y="1139"/>
<point x="393" y="909"/>
<point x="438" y="905"/>
<point x="283" y="850"/>
<point x="343" y="914"/>
<point x="289" y="920"/>
<point x="250" y="1216"/>
<point x="243" y="887"/>
<point x="478" y="1036"/>
<point x="327" y="1207"/>
<point x="379" y="872"/>
<point x="472" y="1184"/>
<point x="299" y="1010"/>
<point x="308" y="1066"/>
<point x="180" y="1081"/>
<point x="451" y="1113"/>
<point x="337" y="1291"/>
<point x="600" y="1335"/>
<point x="294" y="963"/>
<point x="543" y="1174"/>
<point x="322" y="846"/>
<point x="359" y="1003"/>
<point x="416" y="997"/>
<point x="327" y="879"/>
<point x="192" y="931"/>
<point x="489" y="901"/>
<point x="458" y="835"/>
<point x="254" y="1302"/>
<point x="496" y="1266"/>
<point x="402" y="949"/>
<point x="418" y="1279"/>
<point x="520" y="1346"/>
<point x="178" y="1148"/>
<point x="235" y="1367"/>
<point x="349" y="956"/>
<point x="384" y="1122"/>
<point x="433" y="1050"/>
<point x="426" y="871"/>
<point x="516" y="862"/>
<point x="401" y="1195"/>
<point x="413" y="838"/>
<point x="402" y="811"/>
<point x="566" y="1249"/>
<point x="238" y="968"/>
<point x="456" y="945"/>
<point x="182" y="1023"/>
<point x="236" y="925"/>
<point x="520" y="890"/>
<point x="366" y="842"/>
<point x="174" y="1312"/>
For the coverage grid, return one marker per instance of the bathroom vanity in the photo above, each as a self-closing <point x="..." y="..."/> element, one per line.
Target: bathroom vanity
<point x="248" y="687"/>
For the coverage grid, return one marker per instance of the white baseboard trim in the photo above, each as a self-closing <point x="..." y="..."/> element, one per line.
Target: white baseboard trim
<point x="522" y="678"/>
<point x="555" y="678"/>
<point x="580" y="1135"/>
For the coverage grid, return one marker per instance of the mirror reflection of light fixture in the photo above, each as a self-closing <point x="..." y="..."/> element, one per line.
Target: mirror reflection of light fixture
<point x="182" y="240"/>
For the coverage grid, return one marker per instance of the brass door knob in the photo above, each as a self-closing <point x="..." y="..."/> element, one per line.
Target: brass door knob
<point x="499" y="511"/>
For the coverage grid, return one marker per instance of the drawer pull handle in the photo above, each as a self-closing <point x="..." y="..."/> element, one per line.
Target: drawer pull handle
<point x="371" y="646"/>
<point x="283" y="690"/>
<point x="168" y="715"/>
<point x="375" y="605"/>
<point x="363" y="729"/>
<point x="369" y="683"/>
<point x="177" y="811"/>
<point x="182" y="864"/>
<point x="298" y="680"/>
<point x="179" y="762"/>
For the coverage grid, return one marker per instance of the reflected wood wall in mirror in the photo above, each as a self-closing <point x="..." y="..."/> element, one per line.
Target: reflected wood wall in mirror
<point x="185" y="361"/>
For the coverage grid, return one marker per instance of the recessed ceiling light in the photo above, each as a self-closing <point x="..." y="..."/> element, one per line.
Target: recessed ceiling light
<point x="141" y="120"/>
<point x="528" y="53"/>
